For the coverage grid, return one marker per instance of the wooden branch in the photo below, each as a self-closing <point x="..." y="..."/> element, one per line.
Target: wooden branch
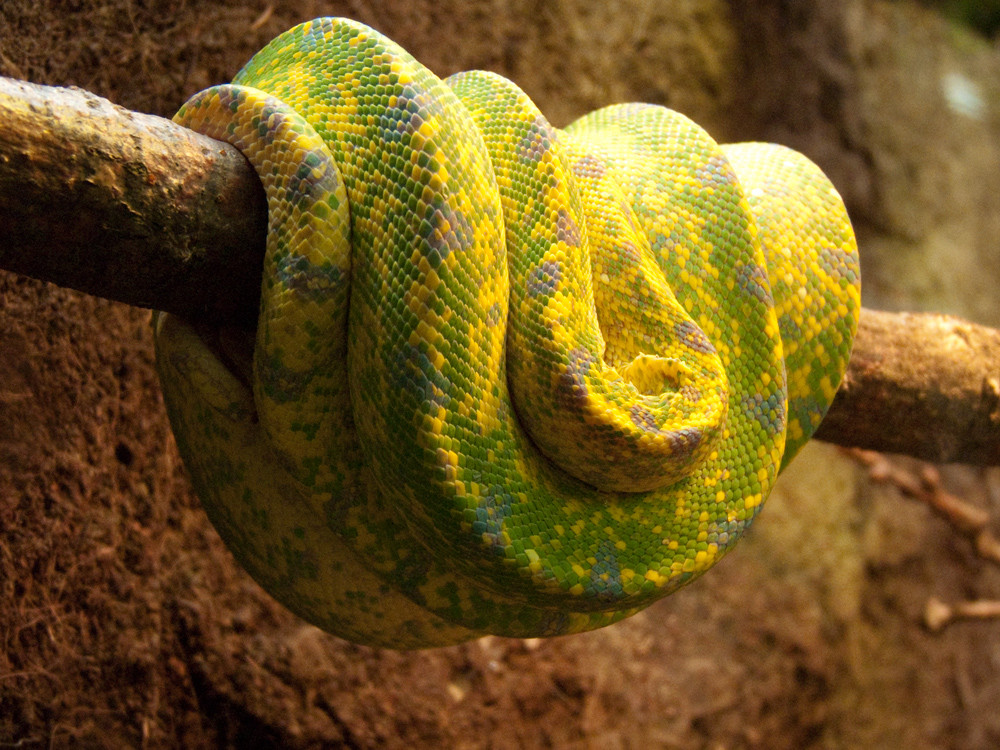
<point x="127" y="206"/>
<point x="134" y="208"/>
<point x="921" y="384"/>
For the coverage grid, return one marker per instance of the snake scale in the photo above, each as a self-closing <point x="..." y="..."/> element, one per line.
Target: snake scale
<point x="506" y="378"/>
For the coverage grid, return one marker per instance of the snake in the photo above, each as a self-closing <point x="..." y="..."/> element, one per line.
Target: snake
<point x="505" y="378"/>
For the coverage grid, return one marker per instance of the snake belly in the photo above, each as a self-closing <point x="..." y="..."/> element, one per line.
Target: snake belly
<point x="506" y="378"/>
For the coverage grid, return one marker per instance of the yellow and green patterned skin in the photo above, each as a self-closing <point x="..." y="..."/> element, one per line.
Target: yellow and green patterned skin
<point x="506" y="378"/>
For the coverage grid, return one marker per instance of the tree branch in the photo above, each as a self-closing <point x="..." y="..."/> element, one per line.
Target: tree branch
<point x="922" y="384"/>
<point x="134" y="208"/>
<point x="127" y="206"/>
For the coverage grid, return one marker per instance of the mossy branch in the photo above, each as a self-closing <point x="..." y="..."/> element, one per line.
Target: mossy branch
<point x="134" y="208"/>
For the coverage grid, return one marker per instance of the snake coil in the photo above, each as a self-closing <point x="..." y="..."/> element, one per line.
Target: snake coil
<point x="506" y="378"/>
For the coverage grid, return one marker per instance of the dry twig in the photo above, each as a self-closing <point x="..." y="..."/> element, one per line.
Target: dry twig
<point x="971" y="521"/>
<point x="938" y="614"/>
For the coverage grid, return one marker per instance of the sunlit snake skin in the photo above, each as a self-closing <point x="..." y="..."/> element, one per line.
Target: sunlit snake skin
<point x="507" y="378"/>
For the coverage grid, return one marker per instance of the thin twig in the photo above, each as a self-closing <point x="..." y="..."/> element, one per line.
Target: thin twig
<point x="938" y="614"/>
<point x="971" y="521"/>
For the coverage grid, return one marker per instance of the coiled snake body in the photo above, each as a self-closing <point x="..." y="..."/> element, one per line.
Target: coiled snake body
<point x="506" y="378"/>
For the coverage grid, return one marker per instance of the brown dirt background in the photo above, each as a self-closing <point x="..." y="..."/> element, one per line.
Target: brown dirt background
<point x="123" y="620"/>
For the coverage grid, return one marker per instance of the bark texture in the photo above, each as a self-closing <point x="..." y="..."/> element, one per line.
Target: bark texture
<point x="921" y="384"/>
<point x="127" y="206"/>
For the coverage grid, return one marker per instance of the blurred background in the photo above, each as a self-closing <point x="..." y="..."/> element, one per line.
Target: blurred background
<point x="123" y="620"/>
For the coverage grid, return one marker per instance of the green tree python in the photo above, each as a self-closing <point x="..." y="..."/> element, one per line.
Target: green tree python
<point x="505" y="378"/>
